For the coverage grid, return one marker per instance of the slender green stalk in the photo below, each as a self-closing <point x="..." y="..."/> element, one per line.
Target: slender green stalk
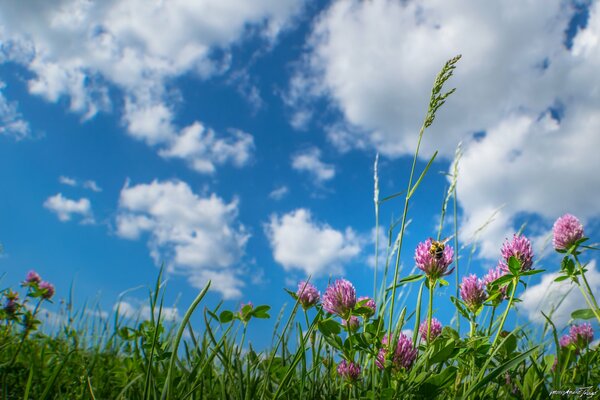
<point x="430" y="310"/>
<point x="585" y="281"/>
<point x="418" y="314"/>
<point x="489" y="331"/>
<point x="376" y="202"/>
<point x="515" y="282"/>
<point x="456" y="257"/>
<point x="587" y="300"/>
<point x="167" y="388"/>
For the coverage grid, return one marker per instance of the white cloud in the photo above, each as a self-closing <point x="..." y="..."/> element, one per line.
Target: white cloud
<point x="279" y="193"/>
<point x="65" y="180"/>
<point x="298" y="242"/>
<point x="77" y="49"/>
<point x="92" y="185"/>
<point x="66" y="208"/>
<point x="11" y="121"/>
<point x="548" y="295"/>
<point x="376" y="60"/>
<point x="309" y="161"/>
<point x="134" y="309"/>
<point x="203" y="149"/>
<point x="196" y="236"/>
<point x="88" y="184"/>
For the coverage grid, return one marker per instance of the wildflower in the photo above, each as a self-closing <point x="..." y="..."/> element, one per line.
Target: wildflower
<point x="47" y="290"/>
<point x="490" y="277"/>
<point x="308" y="295"/>
<point x="32" y="278"/>
<point x="436" y="329"/>
<point x="340" y="298"/>
<point x="520" y="248"/>
<point x="581" y="335"/>
<point x="367" y="303"/>
<point x="404" y="354"/>
<point x="567" y="231"/>
<point x="349" y="370"/>
<point x="472" y="292"/>
<point x="565" y="341"/>
<point x="11" y="307"/>
<point x="434" y="258"/>
<point x="352" y="324"/>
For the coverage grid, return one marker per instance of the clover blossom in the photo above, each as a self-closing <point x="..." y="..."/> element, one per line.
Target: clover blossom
<point x="520" y="248"/>
<point x="340" y="298"/>
<point x="566" y="232"/>
<point x="434" y="258"/>
<point x="472" y="292"/>
<point x="436" y="329"/>
<point x="367" y="303"/>
<point x="581" y="335"/>
<point x="308" y="295"/>
<point x="47" y="290"/>
<point x="404" y="353"/>
<point x="349" y="370"/>
<point x="491" y="276"/>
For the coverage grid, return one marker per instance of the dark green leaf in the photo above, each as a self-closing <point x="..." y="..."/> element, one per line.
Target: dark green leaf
<point x="329" y="327"/>
<point x="225" y="317"/>
<point x="514" y="265"/>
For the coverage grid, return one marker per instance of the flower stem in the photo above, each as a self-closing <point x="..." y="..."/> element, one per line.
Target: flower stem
<point x="515" y="282"/>
<point x="587" y="285"/>
<point x="492" y="320"/>
<point x="430" y="310"/>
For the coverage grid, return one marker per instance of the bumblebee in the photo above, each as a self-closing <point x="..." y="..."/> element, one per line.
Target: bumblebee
<point x="437" y="248"/>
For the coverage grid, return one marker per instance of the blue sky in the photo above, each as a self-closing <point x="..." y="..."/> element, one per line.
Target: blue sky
<point x="235" y="141"/>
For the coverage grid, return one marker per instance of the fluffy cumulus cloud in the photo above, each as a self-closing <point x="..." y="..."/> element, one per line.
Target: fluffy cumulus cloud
<point x="11" y="121"/>
<point x="196" y="236"/>
<point x="66" y="208"/>
<point x="79" y="49"/>
<point x="310" y="161"/>
<point x="529" y="87"/>
<point x="204" y="150"/>
<point x="301" y="243"/>
<point x="558" y="298"/>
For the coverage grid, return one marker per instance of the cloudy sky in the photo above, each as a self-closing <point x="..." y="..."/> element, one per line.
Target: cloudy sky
<point x="234" y="141"/>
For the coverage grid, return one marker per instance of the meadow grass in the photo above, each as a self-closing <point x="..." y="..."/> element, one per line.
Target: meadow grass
<point x="335" y="346"/>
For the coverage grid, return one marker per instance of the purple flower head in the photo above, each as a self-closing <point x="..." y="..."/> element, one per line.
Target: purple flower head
<point x="32" y="278"/>
<point x="565" y="341"/>
<point x="352" y="324"/>
<point x="436" y="329"/>
<point x="368" y="303"/>
<point x="340" y="298"/>
<point x="11" y="306"/>
<point x="349" y="370"/>
<point x="434" y="258"/>
<point x="47" y="288"/>
<point x="520" y="248"/>
<point x="308" y="295"/>
<point x="404" y="354"/>
<point x="490" y="277"/>
<point x="581" y="335"/>
<point x="472" y="292"/>
<point x="566" y="231"/>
